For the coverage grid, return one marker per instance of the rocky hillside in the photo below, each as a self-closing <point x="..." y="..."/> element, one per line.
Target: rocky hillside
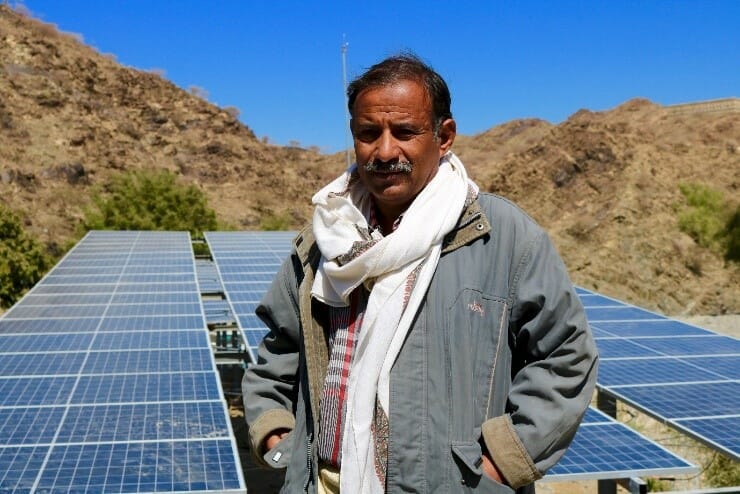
<point x="70" y="118"/>
<point x="604" y="184"/>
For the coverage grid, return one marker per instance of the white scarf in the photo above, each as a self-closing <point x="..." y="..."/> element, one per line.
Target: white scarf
<point x="383" y="264"/>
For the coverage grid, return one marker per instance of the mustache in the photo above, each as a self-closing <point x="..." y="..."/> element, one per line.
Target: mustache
<point x="392" y="167"/>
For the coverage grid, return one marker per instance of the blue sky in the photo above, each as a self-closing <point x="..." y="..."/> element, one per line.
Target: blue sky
<point x="280" y="62"/>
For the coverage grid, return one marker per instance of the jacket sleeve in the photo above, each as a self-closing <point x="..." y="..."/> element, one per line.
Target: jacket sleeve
<point x="269" y="386"/>
<point x="554" y="365"/>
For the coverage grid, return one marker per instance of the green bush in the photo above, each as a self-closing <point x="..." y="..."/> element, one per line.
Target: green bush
<point x="150" y="201"/>
<point x="275" y="222"/>
<point x="733" y="237"/>
<point x="22" y="259"/>
<point x="710" y="220"/>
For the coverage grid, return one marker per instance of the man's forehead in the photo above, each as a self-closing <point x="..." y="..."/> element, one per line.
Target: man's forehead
<point x="398" y="97"/>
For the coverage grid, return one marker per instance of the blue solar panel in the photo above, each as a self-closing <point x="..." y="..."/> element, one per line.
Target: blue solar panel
<point x="205" y="465"/>
<point x="19" y="467"/>
<point x="148" y="361"/>
<point x="40" y="364"/>
<point x="64" y="342"/>
<point x="30" y="391"/>
<point x="679" y="373"/>
<point x="144" y="340"/>
<point x="626" y="453"/>
<point x="29" y="426"/>
<point x="684" y="400"/>
<point x="722" y="432"/>
<point x="692" y="345"/>
<point x="624" y="313"/>
<point x="623" y="372"/>
<point x="247" y="263"/>
<point x="127" y="422"/>
<point x="619" y="348"/>
<point x="108" y="379"/>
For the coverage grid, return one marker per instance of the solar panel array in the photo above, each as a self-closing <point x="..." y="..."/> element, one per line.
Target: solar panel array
<point x="602" y="449"/>
<point x="107" y="379"/>
<point x="681" y="374"/>
<point x="606" y="449"/>
<point x="247" y="263"/>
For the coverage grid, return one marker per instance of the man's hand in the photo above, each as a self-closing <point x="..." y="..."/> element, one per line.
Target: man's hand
<point x="275" y="437"/>
<point x="489" y="468"/>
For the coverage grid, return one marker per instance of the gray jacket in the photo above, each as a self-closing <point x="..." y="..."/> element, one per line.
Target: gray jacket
<point x="499" y="352"/>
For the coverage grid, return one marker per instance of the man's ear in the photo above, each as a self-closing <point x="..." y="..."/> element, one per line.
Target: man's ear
<point x="446" y="135"/>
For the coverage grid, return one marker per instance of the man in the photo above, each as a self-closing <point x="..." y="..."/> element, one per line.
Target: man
<point x="424" y="336"/>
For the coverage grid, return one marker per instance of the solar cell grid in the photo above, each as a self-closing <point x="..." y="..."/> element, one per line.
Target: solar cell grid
<point x="727" y="367"/>
<point x="679" y="401"/>
<point x="131" y="323"/>
<point x="129" y="422"/>
<point x="30" y="391"/>
<point x="146" y="388"/>
<point x="57" y="342"/>
<point x="596" y="314"/>
<point x="99" y="396"/>
<point x="156" y="287"/>
<point x="156" y="298"/>
<point x="157" y="309"/>
<point x="34" y="299"/>
<point x="723" y="432"/>
<point x="628" y="453"/>
<point x="629" y="372"/>
<point x="247" y="263"/>
<point x="145" y="340"/>
<point x="29" y="426"/>
<point x="19" y="467"/>
<point x="658" y="327"/>
<point x="692" y="345"/>
<point x="620" y="348"/>
<point x="59" y="311"/>
<point x="148" y="361"/>
<point x="77" y="289"/>
<point x="41" y="364"/>
<point x="207" y="465"/>
<point x="665" y="385"/>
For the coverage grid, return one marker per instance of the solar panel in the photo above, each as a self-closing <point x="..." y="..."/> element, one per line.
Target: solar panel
<point x="107" y="379"/>
<point x="602" y="449"/>
<point x="605" y="449"/>
<point x="683" y="375"/>
<point x="246" y="263"/>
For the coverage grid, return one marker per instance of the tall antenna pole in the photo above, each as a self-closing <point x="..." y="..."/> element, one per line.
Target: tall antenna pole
<point x="346" y="110"/>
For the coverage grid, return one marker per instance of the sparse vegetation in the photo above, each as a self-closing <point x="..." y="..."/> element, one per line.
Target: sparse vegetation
<point x="723" y="472"/>
<point x="275" y="222"/>
<point x="656" y="484"/>
<point x="22" y="259"/>
<point x="710" y="220"/>
<point x="150" y="201"/>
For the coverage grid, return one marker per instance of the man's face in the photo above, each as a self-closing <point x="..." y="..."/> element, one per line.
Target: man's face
<point x="390" y="125"/>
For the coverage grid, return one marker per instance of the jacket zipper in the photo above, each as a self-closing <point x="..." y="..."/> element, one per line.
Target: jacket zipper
<point x="309" y="457"/>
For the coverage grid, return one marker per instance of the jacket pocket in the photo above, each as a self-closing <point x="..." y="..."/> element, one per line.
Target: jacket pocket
<point x="468" y="457"/>
<point x="279" y="456"/>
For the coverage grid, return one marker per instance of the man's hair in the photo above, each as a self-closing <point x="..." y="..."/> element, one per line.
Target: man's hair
<point x="405" y="67"/>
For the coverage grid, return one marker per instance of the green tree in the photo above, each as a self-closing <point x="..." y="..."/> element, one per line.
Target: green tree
<point x="22" y="259"/>
<point x="710" y="220"/>
<point x="149" y="200"/>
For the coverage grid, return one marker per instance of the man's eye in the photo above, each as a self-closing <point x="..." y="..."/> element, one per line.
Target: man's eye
<point x="366" y="135"/>
<point x="405" y="133"/>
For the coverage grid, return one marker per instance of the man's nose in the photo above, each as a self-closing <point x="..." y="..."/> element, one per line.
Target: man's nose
<point x="387" y="147"/>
